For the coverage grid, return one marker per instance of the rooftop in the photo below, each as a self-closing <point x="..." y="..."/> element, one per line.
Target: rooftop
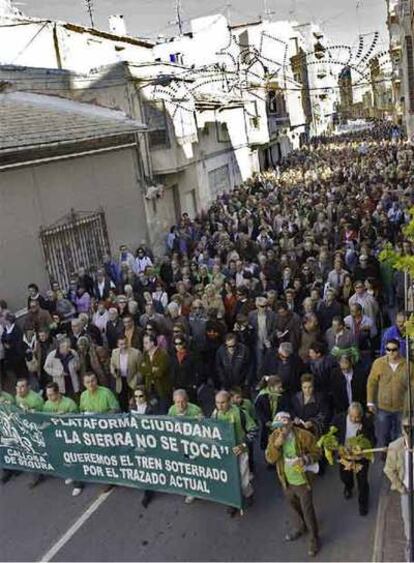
<point x="32" y="119"/>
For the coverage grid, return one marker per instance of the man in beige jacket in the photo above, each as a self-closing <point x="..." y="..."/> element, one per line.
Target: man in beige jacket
<point x="386" y="390"/>
<point x="125" y="365"/>
<point x="396" y="469"/>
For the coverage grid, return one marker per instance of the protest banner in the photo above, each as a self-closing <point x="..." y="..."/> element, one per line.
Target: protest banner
<point x="173" y="455"/>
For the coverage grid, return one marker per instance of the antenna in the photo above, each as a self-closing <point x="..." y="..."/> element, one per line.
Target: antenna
<point x="228" y="11"/>
<point x="89" y="7"/>
<point x="266" y="10"/>
<point x="178" y="9"/>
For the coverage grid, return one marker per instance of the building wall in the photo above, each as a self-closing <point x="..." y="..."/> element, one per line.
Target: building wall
<point x="55" y="45"/>
<point x="36" y="196"/>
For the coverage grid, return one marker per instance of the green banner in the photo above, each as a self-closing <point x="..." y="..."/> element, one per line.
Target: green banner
<point x="173" y="455"/>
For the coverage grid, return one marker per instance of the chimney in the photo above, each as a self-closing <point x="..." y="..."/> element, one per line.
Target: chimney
<point x="117" y="24"/>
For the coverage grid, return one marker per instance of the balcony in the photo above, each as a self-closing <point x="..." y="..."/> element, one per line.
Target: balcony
<point x="395" y="46"/>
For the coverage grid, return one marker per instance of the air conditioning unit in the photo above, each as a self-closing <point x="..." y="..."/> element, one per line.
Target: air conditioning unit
<point x="154" y="192"/>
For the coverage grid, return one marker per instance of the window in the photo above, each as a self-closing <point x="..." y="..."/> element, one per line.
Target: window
<point x="219" y="180"/>
<point x="155" y="116"/>
<point x="222" y="133"/>
<point x="79" y="239"/>
<point x="276" y="103"/>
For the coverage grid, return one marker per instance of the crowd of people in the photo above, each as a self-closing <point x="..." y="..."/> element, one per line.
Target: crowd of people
<point x="271" y="310"/>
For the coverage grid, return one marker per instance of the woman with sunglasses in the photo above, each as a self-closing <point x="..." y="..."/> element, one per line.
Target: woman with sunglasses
<point x="151" y="327"/>
<point x="141" y="405"/>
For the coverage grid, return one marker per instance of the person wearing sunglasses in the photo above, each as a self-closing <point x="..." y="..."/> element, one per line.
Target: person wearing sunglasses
<point x="140" y="405"/>
<point x="386" y="389"/>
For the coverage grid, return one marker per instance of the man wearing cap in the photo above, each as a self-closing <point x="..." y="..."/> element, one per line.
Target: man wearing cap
<point x="396" y="469"/>
<point x="294" y="452"/>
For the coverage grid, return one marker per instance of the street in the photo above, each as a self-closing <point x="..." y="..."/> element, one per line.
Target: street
<point x="120" y="529"/>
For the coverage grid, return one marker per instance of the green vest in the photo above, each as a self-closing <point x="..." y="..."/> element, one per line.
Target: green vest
<point x="32" y="402"/>
<point x="193" y="411"/>
<point x="6" y="398"/>
<point x="64" y="406"/>
<point x="232" y="416"/>
<point x="294" y="475"/>
<point x="102" y="401"/>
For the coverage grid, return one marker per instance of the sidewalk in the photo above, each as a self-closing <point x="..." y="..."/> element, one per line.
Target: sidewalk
<point x="389" y="539"/>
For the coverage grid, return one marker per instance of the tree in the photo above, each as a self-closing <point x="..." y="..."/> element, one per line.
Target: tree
<point x="402" y="263"/>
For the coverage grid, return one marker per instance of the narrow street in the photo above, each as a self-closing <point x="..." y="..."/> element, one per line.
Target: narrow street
<point x="122" y="530"/>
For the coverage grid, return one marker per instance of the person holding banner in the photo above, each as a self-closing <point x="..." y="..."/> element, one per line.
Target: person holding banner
<point x="26" y="399"/>
<point x="56" y="402"/>
<point x="249" y="412"/>
<point x="97" y="399"/>
<point x="6" y="474"/>
<point x="182" y="407"/>
<point x="29" y="401"/>
<point x="140" y="405"/>
<point x="6" y="398"/>
<point x="232" y="414"/>
<point x="94" y="400"/>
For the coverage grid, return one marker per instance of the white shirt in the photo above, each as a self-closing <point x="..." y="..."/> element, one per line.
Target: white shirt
<point x="142" y="263"/>
<point x="101" y="287"/>
<point x="100" y="321"/>
<point x="351" y="428"/>
<point x="140" y="409"/>
<point x="261" y="328"/>
<point x="123" y="364"/>
<point x="348" y="378"/>
<point x="239" y="279"/>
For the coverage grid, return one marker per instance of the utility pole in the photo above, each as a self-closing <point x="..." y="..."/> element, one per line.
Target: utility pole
<point x="266" y="11"/>
<point x="89" y="7"/>
<point x="178" y="9"/>
<point x="228" y="12"/>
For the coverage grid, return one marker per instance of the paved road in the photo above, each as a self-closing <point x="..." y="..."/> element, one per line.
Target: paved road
<point x="32" y="521"/>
